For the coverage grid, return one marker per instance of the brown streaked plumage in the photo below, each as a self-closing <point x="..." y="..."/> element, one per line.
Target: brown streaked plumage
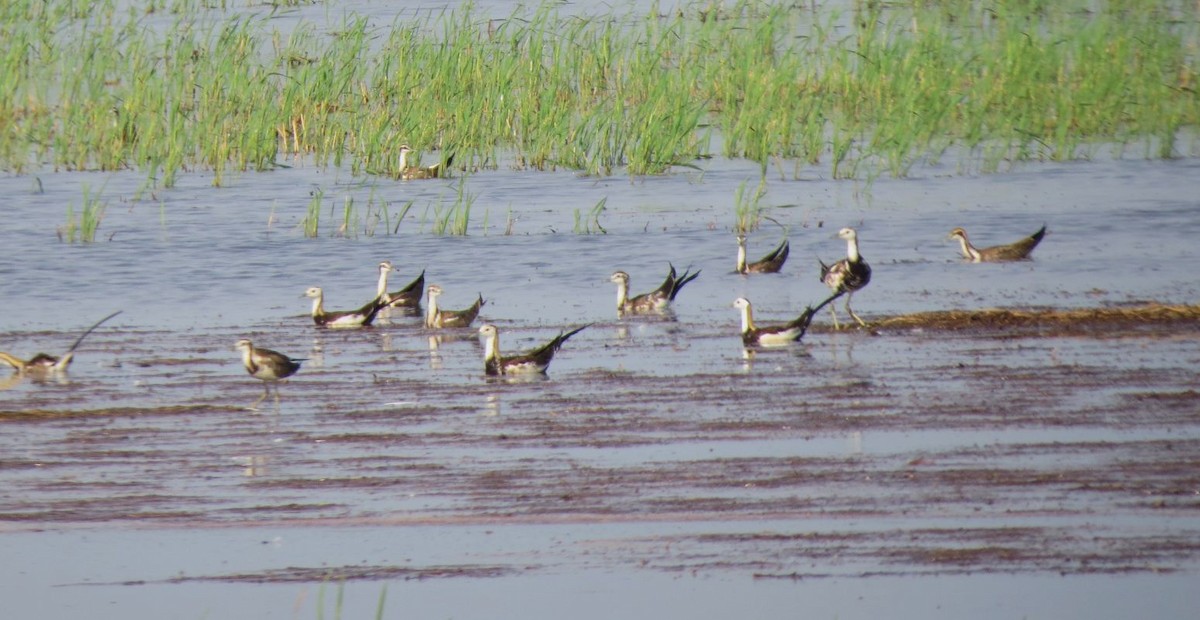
<point x="847" y="275"/>
<point x="531" y="362"/>
<point x="775" y="335"/>
<point x="1018" y="250"/>
<point x="654" y="301"/>
<point x="409" y="296"/>
<point x="421" y="172"/>
<point x="361" y="317"/>
<point x="49" y="364"/>
<point x="436" y="318"/>
<point x="771" y="263"/>
<point x="266" y="365"/>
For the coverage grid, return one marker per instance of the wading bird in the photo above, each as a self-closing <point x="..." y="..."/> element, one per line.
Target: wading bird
<point x="771" y="263"/>
<point x="268" y="366"/>
<point x="409" y="173"/>
<point x="409" y="296"/>
<point x="656" y="301"/>
<point x="847" y="275"/>
<point x="534" y="361"/>
<point x="436" y="318"/>
<point x="775" y="335"/>
<point x="343" y="318"/>
<point x="1019" y="250"/>
<point x="43" y="364"/>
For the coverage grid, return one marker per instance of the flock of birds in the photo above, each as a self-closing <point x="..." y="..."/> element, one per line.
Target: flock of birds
<point x="843" y="277"/>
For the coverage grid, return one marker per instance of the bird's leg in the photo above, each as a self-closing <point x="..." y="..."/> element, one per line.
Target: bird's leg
<point x="833" y="312"/>
<point x="851" y="312"/>
<point x="265" y="394"/>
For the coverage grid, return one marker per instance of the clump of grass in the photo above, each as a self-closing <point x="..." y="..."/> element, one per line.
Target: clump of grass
<point x="377" y="213"/>
<point x="400" y="216"/>
<point x="83" y="228"/>
<point x="349" y="225"/>
<point x="747" y="207"/>
<point x="453" y="220"/>
<point x="590" y="225"/>
<point x="340" y="601"/>
<point x="510" y="222"/>
<point x="312" y="217"/>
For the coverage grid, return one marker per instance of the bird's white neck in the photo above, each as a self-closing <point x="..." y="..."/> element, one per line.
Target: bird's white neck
<point x="622" y="294"/>
<point x="381" y="290"/>
<point x="969" y="250"/>
<point x="491" y="347"/>
<point x="403" y="160"/>
<point x="431" y="312"/>
<point x="741" y="256"/>
<point x="747" y="319"/>
<point x="318" y="302"/>
<point x="852" y="249"/>
<point x="247" y="356"/>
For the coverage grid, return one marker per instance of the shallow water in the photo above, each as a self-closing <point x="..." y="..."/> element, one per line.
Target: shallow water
<point x="940" y="471"/>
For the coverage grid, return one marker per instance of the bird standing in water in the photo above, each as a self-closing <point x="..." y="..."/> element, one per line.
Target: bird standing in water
<point x="409" y="173"/>
<point x="1018" y="250"/>
<point x="657" y="300"/>
<point x="409" y="296"/>
<point x="771" y="263"/>
<point x="528" y="363"/>
<point x="437" y="318"/>
<point x="268" y="366"/>
<point x="847" y="275"/>
<point x="775" y="335"/>
<point x="361" y="317"/>
<point x="43" y="364"/>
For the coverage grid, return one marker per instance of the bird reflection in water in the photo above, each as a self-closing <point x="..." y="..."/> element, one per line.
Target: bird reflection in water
<point x="491" y="405"/>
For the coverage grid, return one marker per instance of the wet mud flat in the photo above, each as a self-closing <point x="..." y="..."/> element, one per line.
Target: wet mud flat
<point x="912" y="449"/>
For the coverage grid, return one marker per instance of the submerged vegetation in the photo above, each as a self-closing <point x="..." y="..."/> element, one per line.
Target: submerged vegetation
<point x="868" y="89"/>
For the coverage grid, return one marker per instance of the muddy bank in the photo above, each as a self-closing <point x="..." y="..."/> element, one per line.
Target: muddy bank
<point x="890" y="452"/>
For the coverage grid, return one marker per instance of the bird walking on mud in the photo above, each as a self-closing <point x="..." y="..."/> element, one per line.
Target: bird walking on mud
<point x="847" y="275"/>
<point x="1017" y="250"/>
<point x="268" y="366"/>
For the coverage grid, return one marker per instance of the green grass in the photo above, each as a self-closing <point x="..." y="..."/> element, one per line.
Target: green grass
<point x="747" y="208"/>
<point x="590" y="225"/>
<point x="858" y="92"/>
<point x="82" y="228"/>
<point x="339" y="603"/>
<point x="312" y="217"/>
<point x="349" y="226"/>
<point x="455" y="218"/>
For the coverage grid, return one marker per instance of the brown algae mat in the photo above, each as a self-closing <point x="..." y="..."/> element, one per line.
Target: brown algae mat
<point x="1056" y="320"/>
